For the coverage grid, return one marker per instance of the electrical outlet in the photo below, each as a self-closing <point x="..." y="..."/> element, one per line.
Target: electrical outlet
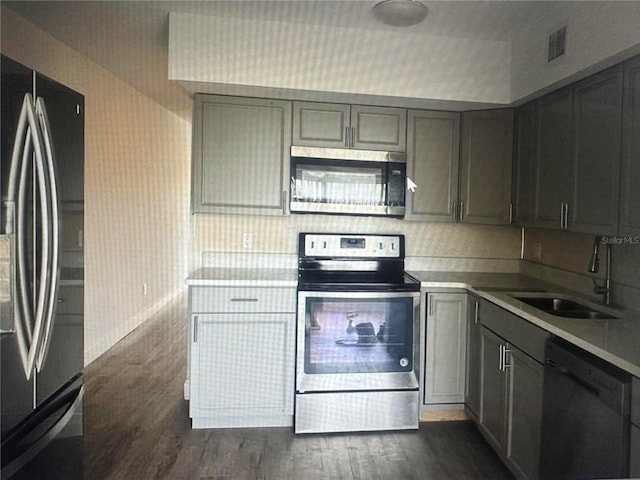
<point x="247" y="241"/>
<point x="537" y="251"/>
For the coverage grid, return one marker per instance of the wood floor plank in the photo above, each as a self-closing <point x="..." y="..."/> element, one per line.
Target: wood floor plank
<point x="137" y="427"/>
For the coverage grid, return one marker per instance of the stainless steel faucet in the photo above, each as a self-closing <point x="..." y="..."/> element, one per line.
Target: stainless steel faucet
<point x="594" y="265"/>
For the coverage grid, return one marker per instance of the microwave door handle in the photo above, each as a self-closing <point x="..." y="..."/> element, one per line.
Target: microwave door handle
<point x="53" y="234"/>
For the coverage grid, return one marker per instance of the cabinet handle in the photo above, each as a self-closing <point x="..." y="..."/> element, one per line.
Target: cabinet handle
<point x="454" y="211"/>
<point x="284" y="202"/>
<point x="195" y="329"/>
<point x="566" y="216"/>
<point x="476" y="313"/>
<point x="461" y="210"/>
<point x="562" y="216"/>
<point x="501" y="358"/>
<point x="353" y="136"/>
<point x="510" y="213"/>
<point x="346" y="137"/>
<point x="505" y="364"/>
<point x="244" y="299"/>
<point x="430" y="301"/>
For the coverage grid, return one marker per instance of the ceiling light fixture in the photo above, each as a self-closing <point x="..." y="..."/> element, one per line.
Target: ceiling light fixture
<point x="400" y="13"/>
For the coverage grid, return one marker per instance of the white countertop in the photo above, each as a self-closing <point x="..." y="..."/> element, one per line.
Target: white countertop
<point x="614" y="340"/>
<point x="244" y="277"/>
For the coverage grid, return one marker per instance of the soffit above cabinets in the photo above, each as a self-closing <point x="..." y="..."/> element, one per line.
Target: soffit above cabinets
<point x="507" y="39"/>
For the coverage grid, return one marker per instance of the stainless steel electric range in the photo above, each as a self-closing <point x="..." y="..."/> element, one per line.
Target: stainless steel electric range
<point x="357" y="335"/>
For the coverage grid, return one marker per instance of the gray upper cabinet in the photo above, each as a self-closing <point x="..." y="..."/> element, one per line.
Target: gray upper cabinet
<point x="486" y="167"/>
<point x="240" y="155"/>
<point x="553" y="158"/>
<point x="525" y="164"/>
<point x="630" y="178"/>
<point x="349" y="126"/>
<point x="595" y="172"/>
<point x="572" y="180"/>
<point x="433" y="155"/>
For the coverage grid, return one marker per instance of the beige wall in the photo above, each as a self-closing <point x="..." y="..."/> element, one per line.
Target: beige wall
<point x="137" y="167"/>
<point x="599" y="34"/>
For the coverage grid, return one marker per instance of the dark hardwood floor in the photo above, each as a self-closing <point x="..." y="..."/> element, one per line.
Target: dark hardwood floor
<point x="137" y="427"/>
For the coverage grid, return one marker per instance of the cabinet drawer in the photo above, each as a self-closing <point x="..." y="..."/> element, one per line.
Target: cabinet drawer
<point x="515" y="330"/>
<point x="243" y="299"/>
<point x="70" y="300"/>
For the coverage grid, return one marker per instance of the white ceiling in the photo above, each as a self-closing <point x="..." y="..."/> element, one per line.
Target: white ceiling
<point x="130" y="38"/>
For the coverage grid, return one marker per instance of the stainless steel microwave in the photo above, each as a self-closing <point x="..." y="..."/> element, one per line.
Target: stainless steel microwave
<point x="348" y="182"/>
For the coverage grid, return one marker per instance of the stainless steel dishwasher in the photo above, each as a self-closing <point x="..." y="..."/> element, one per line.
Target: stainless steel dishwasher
<point x="585" y="416"/>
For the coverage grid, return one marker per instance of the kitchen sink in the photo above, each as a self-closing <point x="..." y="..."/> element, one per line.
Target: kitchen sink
<point x="563" y="307"/>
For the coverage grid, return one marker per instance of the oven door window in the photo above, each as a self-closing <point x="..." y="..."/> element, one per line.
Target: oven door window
<point x="358" y="335"/>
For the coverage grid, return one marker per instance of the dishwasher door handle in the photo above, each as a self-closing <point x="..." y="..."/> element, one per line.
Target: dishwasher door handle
<point x="587" y="386"/>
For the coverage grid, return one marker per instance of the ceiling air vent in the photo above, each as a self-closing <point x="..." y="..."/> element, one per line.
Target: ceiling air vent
<point x="557" y="41"/>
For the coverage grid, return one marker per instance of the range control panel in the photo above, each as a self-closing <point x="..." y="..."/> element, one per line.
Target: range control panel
<point x="352" y="245"/>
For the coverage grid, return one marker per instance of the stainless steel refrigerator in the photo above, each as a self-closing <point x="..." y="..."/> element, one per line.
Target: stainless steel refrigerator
<point x="41" y="276"/>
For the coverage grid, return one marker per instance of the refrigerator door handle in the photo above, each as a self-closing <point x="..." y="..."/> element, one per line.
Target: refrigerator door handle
<point x="30" y="326"/>
<point x="53" y="235"/>
<point x="41" y="175"/>
<point x="20" y="159"/>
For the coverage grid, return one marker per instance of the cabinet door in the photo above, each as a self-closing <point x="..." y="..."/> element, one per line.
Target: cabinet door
<point x="242" y="366"/>
<point x="486" y="166"/>
<point x="493" y="399"/>
<point x="379" y="128"/>
<point x="553" y="157"/>
<point x="524" y="413"/>
<point x="472" y="387"/>
<point x="240" y="155"/>
<point x="597" y="136"/>
<point x="630" y="178"/>
<point x="525" y="161"/>
<point x="321" y="124"/>
<point x="445" y="351"/>
<point x="433" y="156"/>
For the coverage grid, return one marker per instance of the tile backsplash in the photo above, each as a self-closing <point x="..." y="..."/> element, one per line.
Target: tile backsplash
<point x="435" y="241"/>
<point x="564" y="259"/>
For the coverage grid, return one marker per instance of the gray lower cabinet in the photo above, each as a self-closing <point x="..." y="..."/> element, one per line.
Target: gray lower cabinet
<point x="433" y="156"/>
<point x="240" y="155"/>
<point x="445" y="348"/>
<point x="486" y="167"/>
<point x="241" y="357"/>
<point x="472" y="374"/>
<point x="493" y="390"/>
<point x="630" y="177"/>
<point x="634" y="453"/>
<point x="511" y="385"/>
<point x="349" y="126"/>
